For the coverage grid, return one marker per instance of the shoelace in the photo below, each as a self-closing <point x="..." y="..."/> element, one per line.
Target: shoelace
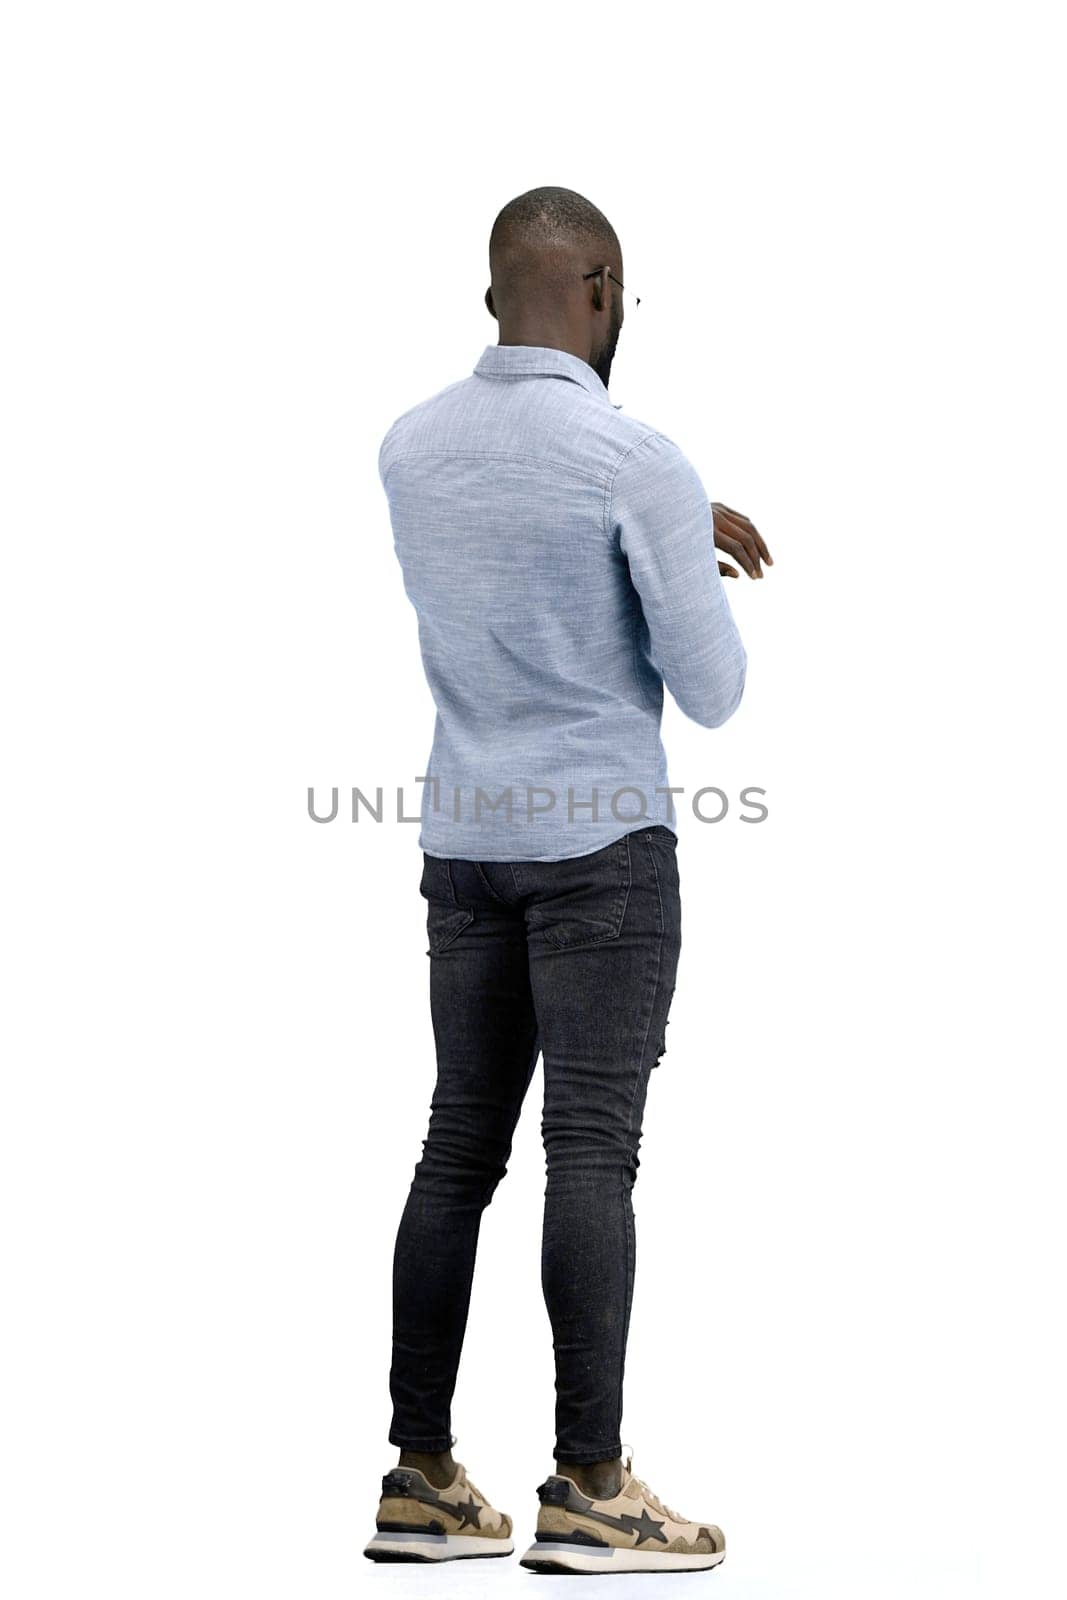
<point x="659" y="1504"/>
<point x="473" y="1487"/>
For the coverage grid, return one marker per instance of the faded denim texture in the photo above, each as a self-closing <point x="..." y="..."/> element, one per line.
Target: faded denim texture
<point x="574" y="959"/>
<point x="560" y="559"/>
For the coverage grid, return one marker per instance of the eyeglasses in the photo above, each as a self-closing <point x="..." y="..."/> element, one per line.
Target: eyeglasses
<point x="598" y="270"/>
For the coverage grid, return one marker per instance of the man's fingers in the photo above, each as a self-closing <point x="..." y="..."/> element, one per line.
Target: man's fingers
<point x="740" y="552"/>
<point x="743" y="530"/>
<point x="728" y="571"/>
<point x="736" y="539"/>
<point x="744" y="527"/>
<point x="751" y="550"/>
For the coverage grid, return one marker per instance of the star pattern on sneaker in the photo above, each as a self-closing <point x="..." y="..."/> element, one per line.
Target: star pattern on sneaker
<point x="470" y="1513"/>
<point x="645" y="1526"/>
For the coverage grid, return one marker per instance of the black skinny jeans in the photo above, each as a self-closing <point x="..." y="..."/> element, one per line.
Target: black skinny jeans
<point x="575" y="961"/>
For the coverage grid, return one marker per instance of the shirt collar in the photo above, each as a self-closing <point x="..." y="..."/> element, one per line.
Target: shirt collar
<point x="538" y="361"/>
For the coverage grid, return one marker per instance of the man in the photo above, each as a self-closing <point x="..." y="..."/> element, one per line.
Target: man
<point x="560" y="558"/>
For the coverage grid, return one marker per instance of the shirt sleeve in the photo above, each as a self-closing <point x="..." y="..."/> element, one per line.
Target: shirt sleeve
<point x="662" y="520"/>
<point x="383" y="452"/>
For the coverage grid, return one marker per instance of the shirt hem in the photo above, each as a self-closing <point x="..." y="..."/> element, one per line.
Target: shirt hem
<point x="568" y="855"/>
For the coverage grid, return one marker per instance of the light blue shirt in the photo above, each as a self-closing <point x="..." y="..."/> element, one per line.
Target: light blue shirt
<point x="560" y="559"/>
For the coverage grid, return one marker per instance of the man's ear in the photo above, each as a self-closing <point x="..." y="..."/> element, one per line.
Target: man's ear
<point x="489" y="302"/>
<point x="597" y="284"/>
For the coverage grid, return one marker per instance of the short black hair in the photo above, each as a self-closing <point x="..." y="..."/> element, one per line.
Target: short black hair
<point x="535" y="233"/>
<point x="550" y="216"/>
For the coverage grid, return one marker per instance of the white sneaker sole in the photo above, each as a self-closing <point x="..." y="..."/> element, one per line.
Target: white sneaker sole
<point x="396" y="1546"/>
<point x="546" y="1557"/>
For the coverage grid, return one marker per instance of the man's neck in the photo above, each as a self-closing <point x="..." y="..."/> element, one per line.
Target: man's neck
<point x="544" y="339"/>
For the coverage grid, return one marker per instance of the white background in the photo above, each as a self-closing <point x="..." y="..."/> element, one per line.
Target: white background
<point x="240" y="240"/>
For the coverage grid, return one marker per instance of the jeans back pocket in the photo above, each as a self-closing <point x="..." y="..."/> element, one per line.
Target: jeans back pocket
<point x="582" y="901"/>
<point x="445" y="918"/>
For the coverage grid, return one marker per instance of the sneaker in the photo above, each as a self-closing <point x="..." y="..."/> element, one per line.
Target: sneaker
<point x="634" y="1532"/>
<point x="417" y="1522"/>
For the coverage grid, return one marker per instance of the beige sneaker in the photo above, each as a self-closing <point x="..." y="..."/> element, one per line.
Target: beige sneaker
<point x="634" y="1532"/>
<point x="417" y="1522"/>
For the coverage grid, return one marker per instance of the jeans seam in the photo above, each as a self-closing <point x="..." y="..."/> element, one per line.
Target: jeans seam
<point x="594" y="1453"/>
<point x="628" y="1236"/>
<point x="499" y="898"/>
<point x="655" y="988"/>
<point x="432" y="1445"/>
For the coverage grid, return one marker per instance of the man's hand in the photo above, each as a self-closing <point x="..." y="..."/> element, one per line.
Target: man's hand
<point x="736" y="535"/>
